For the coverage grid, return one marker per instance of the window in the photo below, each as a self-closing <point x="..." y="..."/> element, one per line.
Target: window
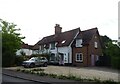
<point x="96" y="45"/>
<point x="78" y="42"/>
<point x="52" y="57"/>
<point x="79" y="57"/>
<point x="52" y="46"/>
<point x="41" y="47"/>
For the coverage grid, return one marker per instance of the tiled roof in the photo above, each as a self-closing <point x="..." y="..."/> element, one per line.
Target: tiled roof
<point x="62" y="39"/>
<point x="87" y="35"/>
<point x="65" y="38"/>
<point x="26" y="46"/>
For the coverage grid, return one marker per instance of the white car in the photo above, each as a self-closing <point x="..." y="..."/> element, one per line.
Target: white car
<point x="35" y="61"/>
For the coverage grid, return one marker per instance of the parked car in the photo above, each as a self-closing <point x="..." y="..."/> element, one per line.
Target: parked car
<point x="35" y="61"/>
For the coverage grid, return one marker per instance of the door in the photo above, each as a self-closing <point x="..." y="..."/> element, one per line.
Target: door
<point x="92" y="60"/>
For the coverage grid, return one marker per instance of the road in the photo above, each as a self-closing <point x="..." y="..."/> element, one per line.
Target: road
<point x="8" y="79"/>
<point x="10" y="76"/>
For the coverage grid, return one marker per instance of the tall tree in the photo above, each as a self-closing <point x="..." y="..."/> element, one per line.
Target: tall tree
<point x="11" y="42"/>
<point x="111" y="50"/>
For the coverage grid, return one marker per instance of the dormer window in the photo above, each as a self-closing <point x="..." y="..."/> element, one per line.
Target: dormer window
<point x="96" y="45"/>
<point x="52" y="46"/>
<point x="78" y="42"/>
<point x="41" y="47"/>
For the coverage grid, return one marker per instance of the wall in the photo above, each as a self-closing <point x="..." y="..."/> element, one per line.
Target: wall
<point x="87" y="51"/>
<point x="26" y="51"/>
<point x="82" y="50"/>
<point x="67" y="53"/>
<point x="94" y="51"/>
<point x="66" y="50"/>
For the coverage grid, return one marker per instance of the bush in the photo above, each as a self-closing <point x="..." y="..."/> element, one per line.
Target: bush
<point x="115" y="61"/>
<point x="38" y="69"/>
<point x="41" y="55"/>
<point x="19" y="60"/>
<point x="53" y="75"/>
<point x="8" y="59"/>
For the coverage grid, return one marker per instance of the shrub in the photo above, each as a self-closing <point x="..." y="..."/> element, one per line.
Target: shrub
<point x="19" y="60"/>
<point x="42" y="73"/>
<point x="38" y="69"/>
<point x="115" y="62"/>
<point x="17" y="69"/>
<point x="53" y="75"/>
<point x="62" y="77"/>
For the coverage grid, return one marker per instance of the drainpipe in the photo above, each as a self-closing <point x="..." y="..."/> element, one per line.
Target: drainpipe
<point x="57" y="54"/>
<point x="87" y="55"/>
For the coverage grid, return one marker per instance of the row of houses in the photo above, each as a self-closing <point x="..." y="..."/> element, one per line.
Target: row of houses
<point x="73" y="47"/>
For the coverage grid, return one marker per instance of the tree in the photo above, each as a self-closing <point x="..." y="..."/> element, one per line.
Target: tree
<point x="11" y="42"/>
<point x="111" y="50"/>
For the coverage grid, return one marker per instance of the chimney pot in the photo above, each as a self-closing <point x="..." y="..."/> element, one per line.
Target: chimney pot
<point x="58" y="29"/>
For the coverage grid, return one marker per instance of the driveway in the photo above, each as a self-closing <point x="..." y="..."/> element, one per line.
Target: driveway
<point x="83" y="72"/>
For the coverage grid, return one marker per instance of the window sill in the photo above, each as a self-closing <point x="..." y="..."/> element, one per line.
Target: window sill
<point x="52" y="49"/>
<point x="78" y="47"/>
<point x="79" y="61"/>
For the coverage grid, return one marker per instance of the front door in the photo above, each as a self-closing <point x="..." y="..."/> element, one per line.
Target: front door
<point x="92" y="60"/>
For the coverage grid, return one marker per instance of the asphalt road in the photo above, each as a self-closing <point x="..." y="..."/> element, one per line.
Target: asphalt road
<point x="8" y="79"/>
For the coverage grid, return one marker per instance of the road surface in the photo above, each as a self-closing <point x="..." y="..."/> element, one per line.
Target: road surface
<point x="8" y="79"/>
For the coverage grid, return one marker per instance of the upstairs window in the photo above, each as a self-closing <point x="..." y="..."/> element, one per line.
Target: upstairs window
<point x="79" y="57"/>
<point x="78" y="42"/>
<point x="96" y="45"/>
<point x="41" y="47"/>
<point x="52" y="46"/>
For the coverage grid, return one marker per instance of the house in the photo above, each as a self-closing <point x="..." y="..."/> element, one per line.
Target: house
<point x="86" y="48"/>
<point x="26" y="49"/>
<point x="73" y="47"/>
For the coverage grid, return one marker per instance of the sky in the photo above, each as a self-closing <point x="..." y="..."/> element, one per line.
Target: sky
<point x="37" y="18"/>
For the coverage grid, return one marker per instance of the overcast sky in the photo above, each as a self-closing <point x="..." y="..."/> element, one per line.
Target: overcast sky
<point x="37" y="18"/>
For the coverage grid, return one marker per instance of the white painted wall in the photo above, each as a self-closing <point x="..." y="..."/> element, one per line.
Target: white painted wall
<point x="35" y="51"/>
<point x="66" y="50"/>
<point x="26" y="51"/>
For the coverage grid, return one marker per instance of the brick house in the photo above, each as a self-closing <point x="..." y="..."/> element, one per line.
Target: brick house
<point x="86" y="48"/>
<point x="75" y="47"/>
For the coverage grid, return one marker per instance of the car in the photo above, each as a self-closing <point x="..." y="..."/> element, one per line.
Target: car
<point x="35" y="61"/>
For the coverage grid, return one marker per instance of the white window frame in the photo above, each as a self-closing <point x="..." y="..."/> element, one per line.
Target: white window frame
<point x="95" y="44"/>
<point x="40" y="47"/>
<point x="79" y="60"/>
<point x="52" y="48"/>
<point x="78" y="42"/>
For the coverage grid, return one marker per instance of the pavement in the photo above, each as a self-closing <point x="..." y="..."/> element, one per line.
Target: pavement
<point x="35" y="78"/>
<point x="101" y="73"/>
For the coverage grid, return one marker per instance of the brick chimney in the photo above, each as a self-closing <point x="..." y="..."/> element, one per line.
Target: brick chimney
<point x="58" y="29"/>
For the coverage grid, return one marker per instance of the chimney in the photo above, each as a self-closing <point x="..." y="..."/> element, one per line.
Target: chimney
<point x="58" y="29"/>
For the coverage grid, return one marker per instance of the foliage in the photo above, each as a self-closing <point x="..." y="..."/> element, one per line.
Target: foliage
<point x="47" y="55"/>
<point x="22" y="53"/>
<point x="11" y="42"/>
<point x="70" y="77"/>
<point x="111" y="50"/>
<point x="19" y="60"/>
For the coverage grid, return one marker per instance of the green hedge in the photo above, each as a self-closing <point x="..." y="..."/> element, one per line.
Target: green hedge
<point x="115" y="61"/>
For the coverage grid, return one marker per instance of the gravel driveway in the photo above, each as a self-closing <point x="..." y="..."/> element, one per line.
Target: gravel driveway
<point x="83" y="72"/>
